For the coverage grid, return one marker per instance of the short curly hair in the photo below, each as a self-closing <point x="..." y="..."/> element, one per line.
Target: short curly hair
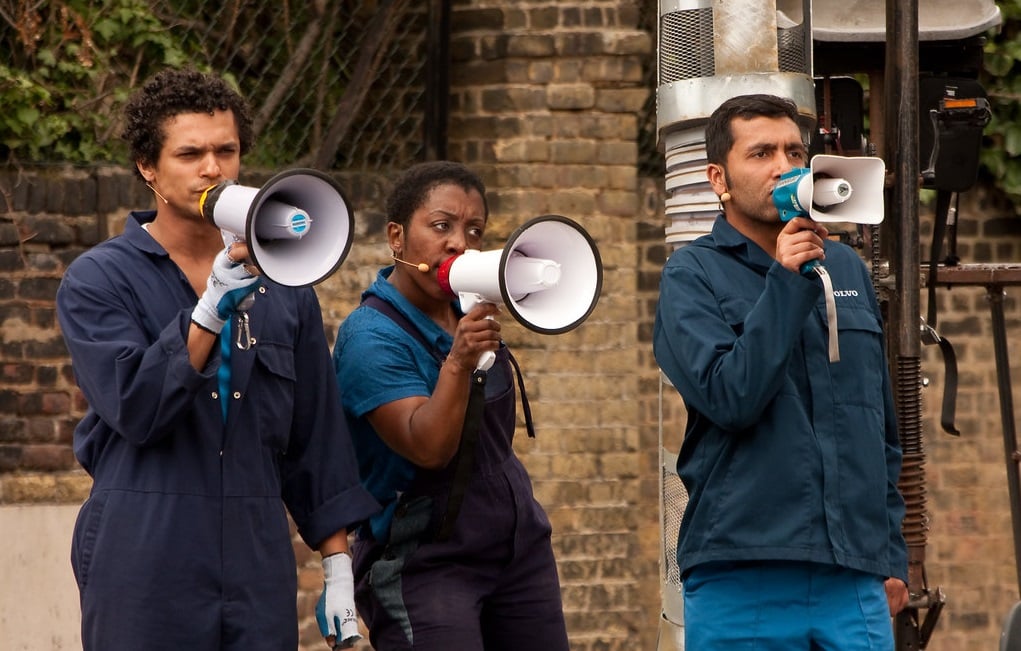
<point x="411" y="188"/>
<point x="172" y="92"/>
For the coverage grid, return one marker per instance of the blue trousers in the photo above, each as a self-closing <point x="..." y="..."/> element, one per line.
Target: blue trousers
<point x="785" y="606"/>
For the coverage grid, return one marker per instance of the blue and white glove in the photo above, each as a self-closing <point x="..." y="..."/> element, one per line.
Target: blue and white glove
<point x="335" y="611"/>
<point x="228" y="291"/>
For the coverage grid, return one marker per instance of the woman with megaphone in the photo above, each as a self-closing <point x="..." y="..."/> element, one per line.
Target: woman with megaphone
<point x="460" y="557"/>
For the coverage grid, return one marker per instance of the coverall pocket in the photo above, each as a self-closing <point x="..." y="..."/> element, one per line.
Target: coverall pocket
<point x="857" y="379"/>
<point x="86" y="529"/>
<point x="275" y="366"/>
<point x="408" y="530"/>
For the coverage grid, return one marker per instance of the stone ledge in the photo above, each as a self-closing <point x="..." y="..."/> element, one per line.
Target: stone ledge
<point x="37" y="488"/>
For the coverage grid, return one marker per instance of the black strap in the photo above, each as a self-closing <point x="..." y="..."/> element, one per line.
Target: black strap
<point x="525" y="408"/>
<point x="389" y="310"/>
<point x="949" y="387"/>
<point x="465" y="458"/>
<point x="929" y="334"/>
<point x="465" y="453"/>
<point x="469" y="441"/>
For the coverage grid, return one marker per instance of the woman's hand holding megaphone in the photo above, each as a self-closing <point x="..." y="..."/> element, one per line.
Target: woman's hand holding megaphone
<point x="476" y="337"/>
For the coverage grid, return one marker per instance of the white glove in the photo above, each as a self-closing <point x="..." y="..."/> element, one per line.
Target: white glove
<point x="228" y="291"/>
<point x="335" y="611"/>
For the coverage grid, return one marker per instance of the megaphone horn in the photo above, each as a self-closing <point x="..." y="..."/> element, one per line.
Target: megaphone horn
<point x="298" y="226"/>
<point x="548" y="275"/>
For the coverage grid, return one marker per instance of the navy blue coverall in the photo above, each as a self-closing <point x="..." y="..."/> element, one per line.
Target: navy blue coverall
<point x="184" y="541"/>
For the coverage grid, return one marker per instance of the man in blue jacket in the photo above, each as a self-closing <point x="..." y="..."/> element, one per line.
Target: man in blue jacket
<point x="196" y="445"/>
<point x="791" y="539"/>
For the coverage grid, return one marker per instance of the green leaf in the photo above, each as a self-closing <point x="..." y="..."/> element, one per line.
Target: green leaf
<point x="27" y="115"/>
<point x="47" y="57"/>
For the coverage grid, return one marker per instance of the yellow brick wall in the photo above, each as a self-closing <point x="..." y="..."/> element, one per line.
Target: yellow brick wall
<point x="544" y="101"/>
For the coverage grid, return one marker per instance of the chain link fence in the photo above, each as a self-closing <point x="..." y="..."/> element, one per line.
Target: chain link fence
<point x="334" y="84"/>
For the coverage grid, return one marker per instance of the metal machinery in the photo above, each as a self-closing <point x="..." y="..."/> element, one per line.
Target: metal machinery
<point x="921" y="64"/>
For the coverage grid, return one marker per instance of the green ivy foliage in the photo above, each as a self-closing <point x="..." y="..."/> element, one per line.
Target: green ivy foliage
<point x="71" y="65"/>
<point x="1002" y="81"/>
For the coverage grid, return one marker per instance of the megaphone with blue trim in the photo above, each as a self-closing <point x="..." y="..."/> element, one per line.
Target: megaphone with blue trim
<point x="298" y="226"/>
<point x="833" y="189"/>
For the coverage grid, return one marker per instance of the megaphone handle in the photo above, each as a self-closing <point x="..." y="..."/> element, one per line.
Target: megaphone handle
<point x="486" y="361"/>
<point x="229" y="237"/>
<point x="468" y="301"/>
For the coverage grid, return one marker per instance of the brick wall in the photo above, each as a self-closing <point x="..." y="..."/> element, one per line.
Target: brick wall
<point x="544" y="103"/>
<point x="49" y="217"/>
<point x="970" y="552"/>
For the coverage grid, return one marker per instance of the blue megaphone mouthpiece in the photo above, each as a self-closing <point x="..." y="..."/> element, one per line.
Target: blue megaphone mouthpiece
<point x="792" y="195"/>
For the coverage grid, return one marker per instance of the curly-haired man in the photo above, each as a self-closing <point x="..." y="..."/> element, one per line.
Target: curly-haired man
<point x="199" y="449"/>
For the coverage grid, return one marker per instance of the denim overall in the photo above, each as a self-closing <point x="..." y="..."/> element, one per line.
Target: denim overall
<point x="492" y="584"/>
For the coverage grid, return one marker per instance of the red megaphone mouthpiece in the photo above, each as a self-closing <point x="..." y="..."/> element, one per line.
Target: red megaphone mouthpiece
<point x="443" y="274"/>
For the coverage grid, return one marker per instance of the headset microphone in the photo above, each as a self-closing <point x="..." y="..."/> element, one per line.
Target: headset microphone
<point x="421" y="266"/>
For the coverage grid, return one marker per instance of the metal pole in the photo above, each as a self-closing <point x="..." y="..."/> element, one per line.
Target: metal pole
<point x="901" y="137"/>
<point x="995" y="294"/>
<point x="902" y="156"/>
<point x="434" y="123"/>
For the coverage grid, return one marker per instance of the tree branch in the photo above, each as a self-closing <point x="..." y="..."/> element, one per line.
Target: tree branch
<point x="285" y="83"/>
<point x="379" y="32"/>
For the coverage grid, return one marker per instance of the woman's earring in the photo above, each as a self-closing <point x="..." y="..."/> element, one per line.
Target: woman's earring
<point x="725" y="197"/>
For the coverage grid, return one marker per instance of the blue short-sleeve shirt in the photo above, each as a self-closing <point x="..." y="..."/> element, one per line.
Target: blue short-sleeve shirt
<point x="378" y="362"/>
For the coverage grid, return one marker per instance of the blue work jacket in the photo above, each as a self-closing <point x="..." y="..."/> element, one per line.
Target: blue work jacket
<point x="187" y="509"/>
<point x="786" y="456"/>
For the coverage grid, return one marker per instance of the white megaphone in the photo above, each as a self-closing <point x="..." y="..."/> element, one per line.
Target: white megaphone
<point x="298" y="225"/>
<point x="833" y="189"/>
<point x="548" y="276"/>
